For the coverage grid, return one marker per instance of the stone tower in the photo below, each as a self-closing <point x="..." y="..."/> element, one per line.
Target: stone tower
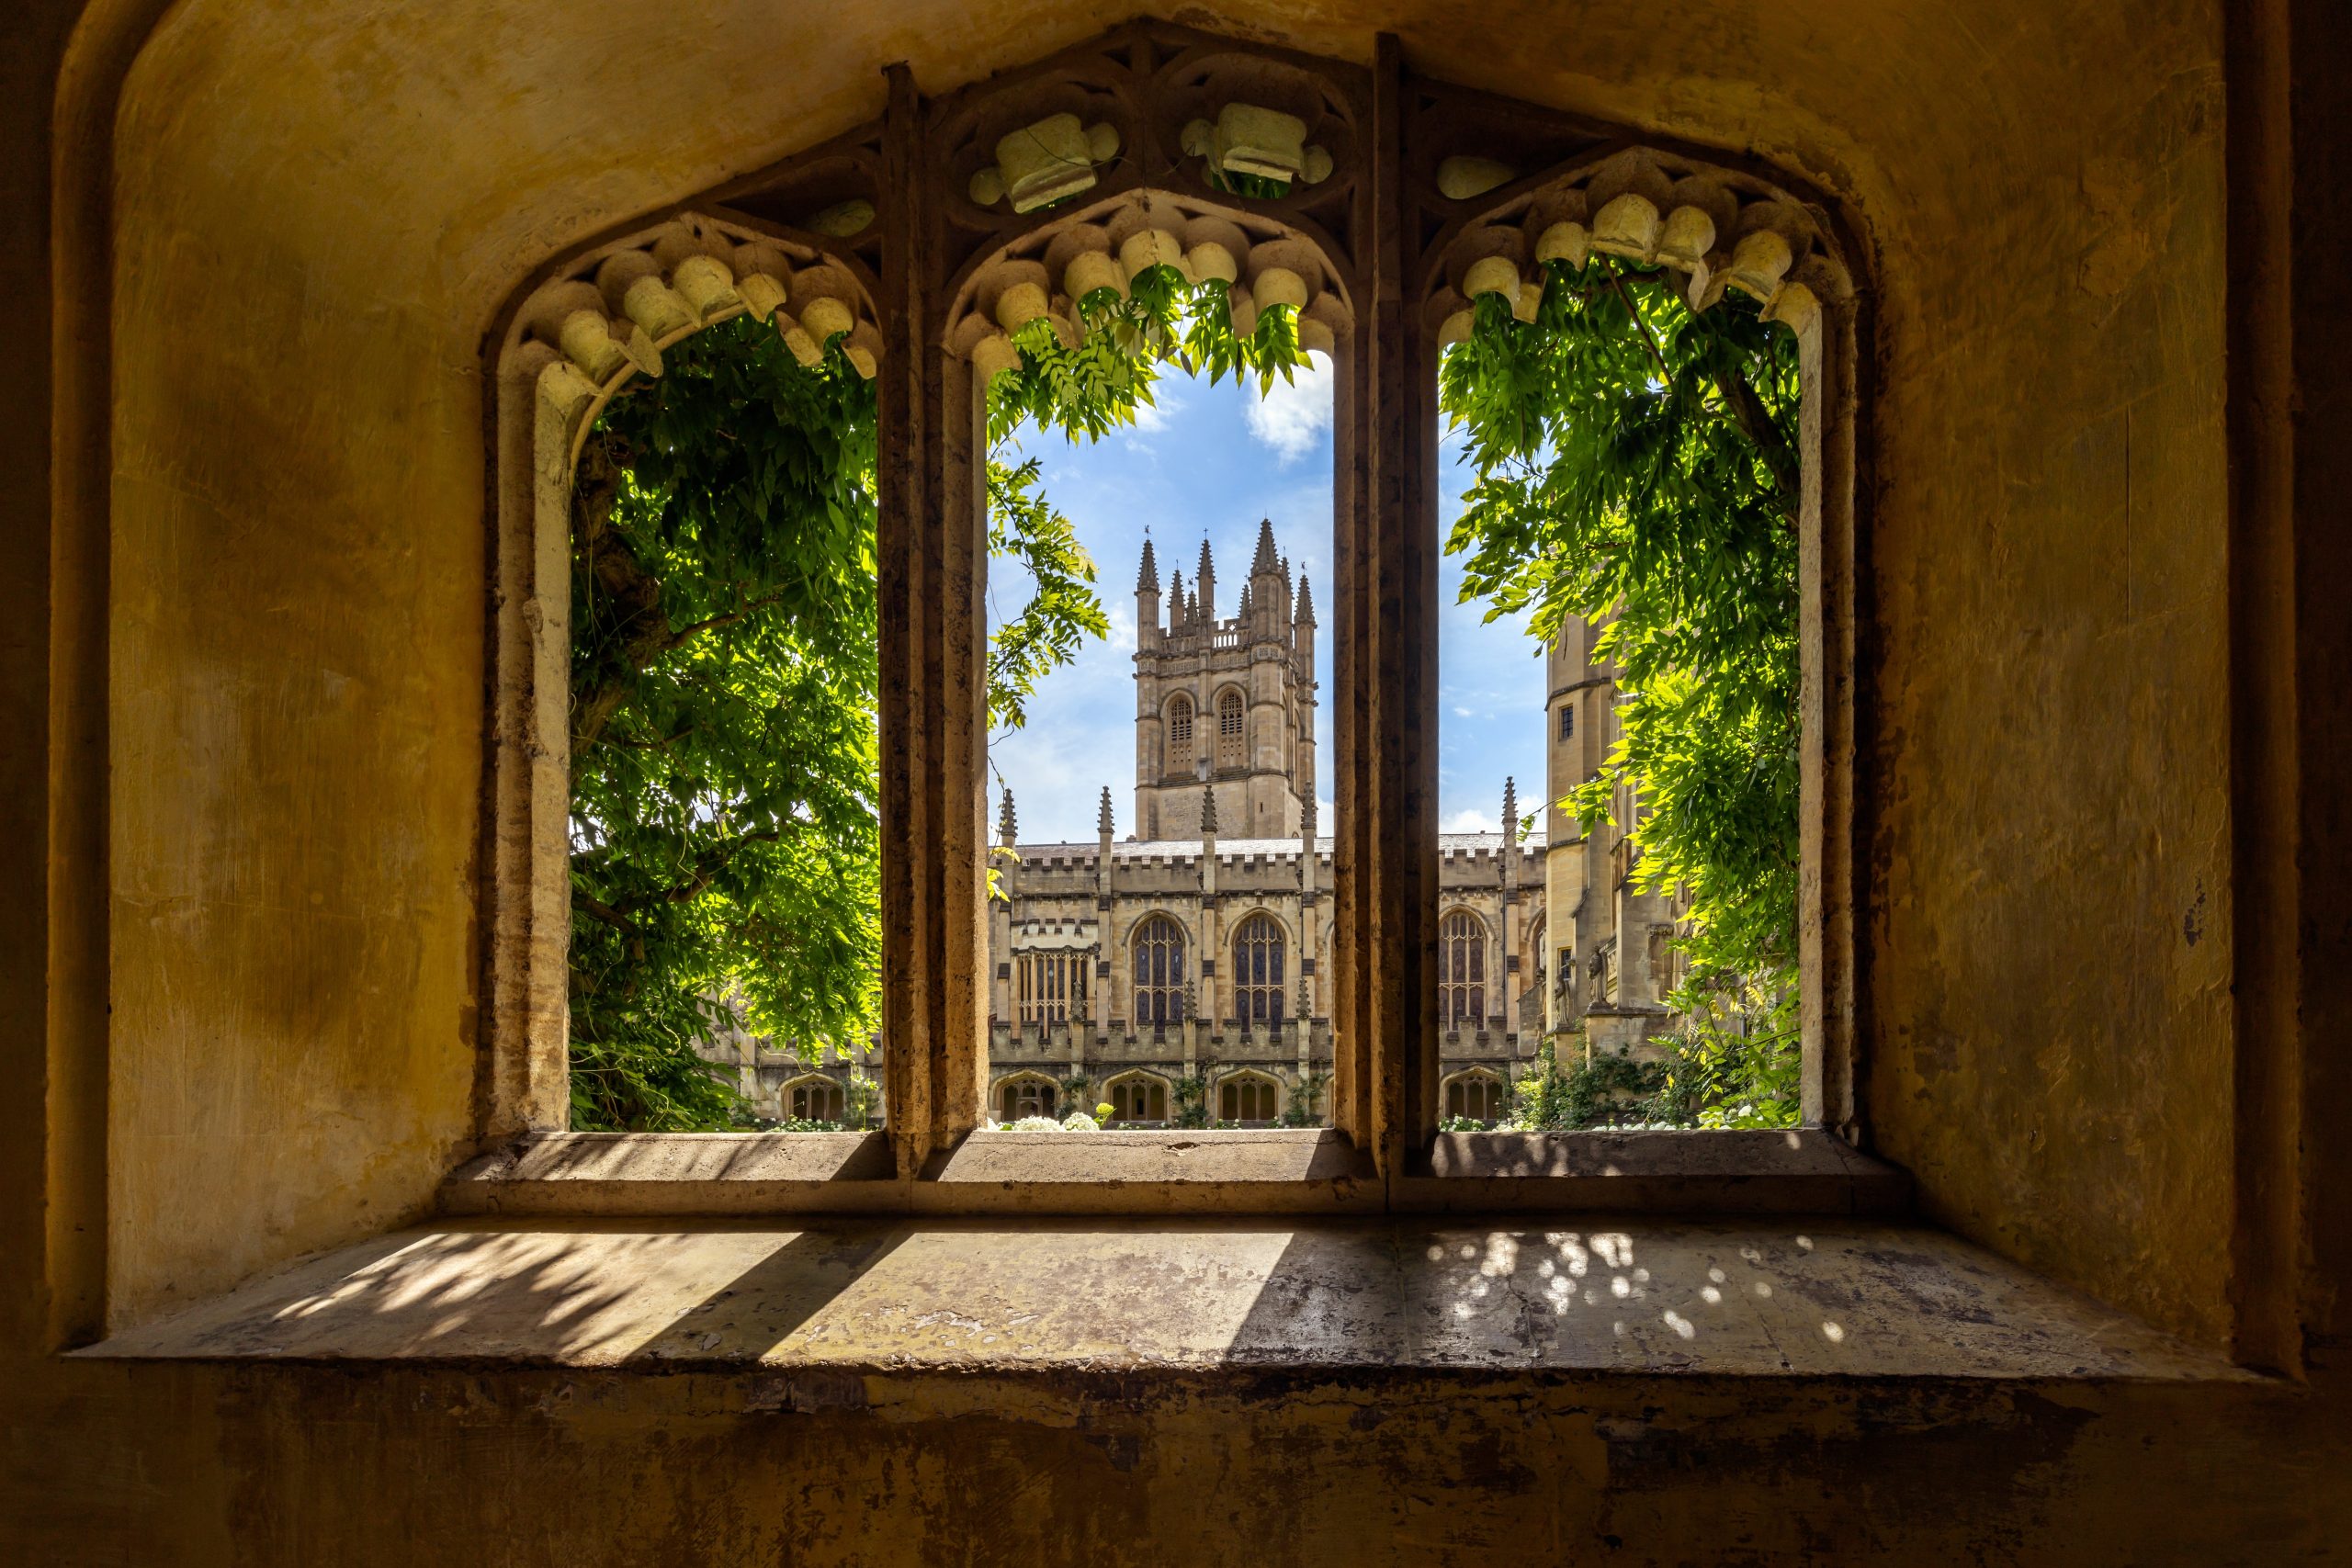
<point x="1228" y="703"/>
<point x="1606" y="943"/>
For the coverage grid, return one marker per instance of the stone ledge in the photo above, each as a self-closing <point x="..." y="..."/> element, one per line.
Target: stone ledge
<point x="874" y="1299"/>
<point x="1276" y="1170"/>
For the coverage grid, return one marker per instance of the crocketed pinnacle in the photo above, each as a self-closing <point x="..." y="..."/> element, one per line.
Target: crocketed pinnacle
<point x="1004" y="825"/>
<point x="1102" y="818"/>
<point x="1264" y="560"/>
<point x="1305" y="614"/>
<point x="1148" y="577"/>
<point x="1208" y="812"/>
<point x="1510" y="809"/>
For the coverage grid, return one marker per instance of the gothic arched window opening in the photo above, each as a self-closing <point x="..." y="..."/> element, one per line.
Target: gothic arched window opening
<point x="1137" y="1099"/>
<point x="1158" y="954"/>
<point x="1461" y="971"/>
<point x="1257" y="954"/>
<point x="1247" y="1098"/>
<point x="1027" y="1095"/>
<point x="1475" y="1097"/>
<point x="816" y="1099"/>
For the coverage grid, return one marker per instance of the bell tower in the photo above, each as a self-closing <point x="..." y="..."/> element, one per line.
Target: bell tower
<point x="1226" y="703"/>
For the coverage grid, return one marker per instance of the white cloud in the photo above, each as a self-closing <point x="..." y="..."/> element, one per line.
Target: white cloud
<point x="1152" y="417"/>
<point x="1463" y="713"/>
<point x="1292" y="416"/>
<point x="1470" y="821"/>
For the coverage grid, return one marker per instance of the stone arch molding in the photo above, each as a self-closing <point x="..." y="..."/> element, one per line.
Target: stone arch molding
<point x="1718" y="228"/>
<point x="605" y="320"/>
<point x="919" y="243"/>
<point x="1263" y="263"/>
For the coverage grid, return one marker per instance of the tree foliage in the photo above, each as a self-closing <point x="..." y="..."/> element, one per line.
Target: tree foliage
<point x="1635" y="466"/>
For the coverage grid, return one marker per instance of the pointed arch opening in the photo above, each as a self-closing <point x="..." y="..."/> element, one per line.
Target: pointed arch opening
<point x="1156" y="961"/>
<point x="1261" y="968"/>
<point x="1248" y="1099"/>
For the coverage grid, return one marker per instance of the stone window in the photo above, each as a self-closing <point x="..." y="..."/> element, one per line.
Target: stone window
<point x="1475" y="1097"/>
<point x="1028" y="1095"/>
<point x="1157" y="955"/>
<point x="1137" y="1099"/>
<point x="1258" y="972"/>
<point x="1230" y="749"/>
<point x="1049" y="987"/>
<point x="1461" y="971"/>
<point x="1251" y="1099"/>
<point x="815" y="1100"/>
<point x="590" y="322"/>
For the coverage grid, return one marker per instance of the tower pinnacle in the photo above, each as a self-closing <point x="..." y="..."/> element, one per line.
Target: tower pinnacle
<point x="1148" y="577"/>
<point x="1005" y="834"/>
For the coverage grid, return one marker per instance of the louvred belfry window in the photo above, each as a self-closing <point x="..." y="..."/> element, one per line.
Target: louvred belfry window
<point x="1180" y="736"/>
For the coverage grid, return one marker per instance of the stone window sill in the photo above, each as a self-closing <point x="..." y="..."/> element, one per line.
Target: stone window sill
<point x="839" y="1311"/>
<point x="1280" y="1171"/>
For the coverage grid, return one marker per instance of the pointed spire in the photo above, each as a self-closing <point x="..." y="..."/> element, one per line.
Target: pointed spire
<point x="1148" y="578"/>
<point x="1264" y="560"/>
<point x="1510" y="809"/>
<point x="1175" y="600"/>
<point x="1208" y="565"/>
<point x="1306" y="617"/>
<point x="1004" y="825"/>
<point x="1102" y="820"/>
<point x="1204" y="584"/>
<point x="1245" y="602"/>
<point x="1208" y="811"/>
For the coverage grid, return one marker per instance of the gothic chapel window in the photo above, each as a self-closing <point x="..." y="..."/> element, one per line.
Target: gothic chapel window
<point x="1461" y="971"/>
<point x="1258" y="972"/>
<point x="1158" y="956"/>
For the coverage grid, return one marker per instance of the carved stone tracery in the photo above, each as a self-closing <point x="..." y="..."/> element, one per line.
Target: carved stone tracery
<point x="1318" y="185"/>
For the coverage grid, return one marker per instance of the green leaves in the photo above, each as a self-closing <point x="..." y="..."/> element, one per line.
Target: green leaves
<point x="724" y="852"/>
<point x="1634" y="465"/>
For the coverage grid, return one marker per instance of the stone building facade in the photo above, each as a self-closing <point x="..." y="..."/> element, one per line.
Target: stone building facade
<point x="1185" y="964"/>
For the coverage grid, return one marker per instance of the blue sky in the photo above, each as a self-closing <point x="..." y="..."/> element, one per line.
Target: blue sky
<point x="1213" y="460"/>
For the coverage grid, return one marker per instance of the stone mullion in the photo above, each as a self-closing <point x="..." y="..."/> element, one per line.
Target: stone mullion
<point x="1397" y="599"/>
<point x="932" y="813"/>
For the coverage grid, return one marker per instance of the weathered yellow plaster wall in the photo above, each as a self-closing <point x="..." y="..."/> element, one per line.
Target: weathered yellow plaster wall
<point x="318" y="207"/>
<point x="322" y="206"/>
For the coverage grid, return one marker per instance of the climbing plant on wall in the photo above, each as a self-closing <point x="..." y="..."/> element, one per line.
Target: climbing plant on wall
<point x="1635" y="459"/>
